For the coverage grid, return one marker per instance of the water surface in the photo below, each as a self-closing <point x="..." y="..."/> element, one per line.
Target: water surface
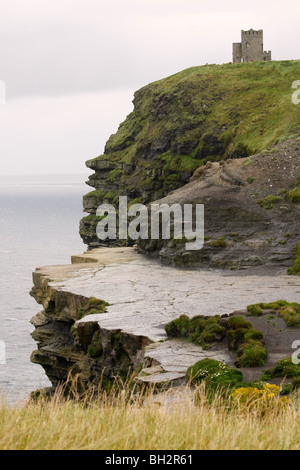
<point x="39" y="225"/>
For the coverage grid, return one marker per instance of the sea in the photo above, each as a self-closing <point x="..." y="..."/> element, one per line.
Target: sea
<point x="39" y="226"/>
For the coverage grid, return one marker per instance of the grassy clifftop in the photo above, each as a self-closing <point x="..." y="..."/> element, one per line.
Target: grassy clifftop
<point x="209" y="112"/>
<point x="201" y="114"/>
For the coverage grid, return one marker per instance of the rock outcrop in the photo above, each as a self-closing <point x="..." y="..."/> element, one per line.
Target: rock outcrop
<point x="223" y="136"/>
<point x="78" y="334"/>
<point x="207" y="113"/>
<point x="252" y="212"/>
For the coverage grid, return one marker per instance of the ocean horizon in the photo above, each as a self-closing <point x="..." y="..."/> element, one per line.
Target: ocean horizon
<point x="39" y="226"/>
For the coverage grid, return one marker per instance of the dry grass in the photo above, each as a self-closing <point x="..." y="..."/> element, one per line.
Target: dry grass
<point x="125" y="422"/>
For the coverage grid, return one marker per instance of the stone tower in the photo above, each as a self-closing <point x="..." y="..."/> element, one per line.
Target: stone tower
<point x="251" y="49"/>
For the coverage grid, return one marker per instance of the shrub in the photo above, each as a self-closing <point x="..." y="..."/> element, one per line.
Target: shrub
<point x="212" y="333"/>
<point x="238" y="323"/>
<point x="254" y="335"/>
<point x="289" y="388"/>
<point x="292" y="320"/>
<point x="255" y="310"/>
<point x="253" y="354"/>
<point x="236" y="338"/>
<point x="179" y="327"/>
<point x="216" y="374"/>
<point x="197" y="324"/>
<point x="284" y="368"/>
<point x="238" y="327"/>
<point x="258" y="400"/>
<point x="199" y="330"/>
<point x="204" y="331"/>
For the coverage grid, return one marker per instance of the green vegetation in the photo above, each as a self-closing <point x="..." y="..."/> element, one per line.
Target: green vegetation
<point x="217" y="375"/>
<point x="199" y="330"/>
<point x="288" y="311"/>
<point x="92" y="306"/>
<point x="285" y="368"/>
<point x="219" y="243"/>
<point x="242" y="338"/>
<point x="205" y="332"/>
<point x="294" y="194"/>
<point x="247" y="341"/>
<point x="255" y="310"/>
<point x="268" y="202"/>
<point x="212" y="91"/>
<point x="95" y="347"/>
<point x="253" y="354"/>
<point x="291" y="387"/>
<point x="184" y="120"/>
<point x="88" y="224"/>
<point x="122" y="418"/>
<point x="99" y="193"/>
<point x="295" y="270"/>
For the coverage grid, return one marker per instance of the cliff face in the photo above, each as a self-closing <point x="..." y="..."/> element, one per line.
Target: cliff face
<point x="208" y="113"/>
<point x="79" y="334"/>
<point x="252" y="212"/>
<point x="68" y="333"/>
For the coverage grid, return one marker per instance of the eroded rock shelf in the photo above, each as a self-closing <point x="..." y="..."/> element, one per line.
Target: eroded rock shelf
<point x="143" y="296"/>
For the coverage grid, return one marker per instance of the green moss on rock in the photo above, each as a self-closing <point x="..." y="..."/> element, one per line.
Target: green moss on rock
<point x="93" y="306"/>
<point x="95" y="348"/>
<point x="268" y="202"/>
<point x="252" y="354"/>
<point x="295" y="270"/>
<point x="294" y="194"/>
<point x="288" y="311"/>
<point x="255" y="310"/>
<point x="219" y="243"/>
<point x="182" y="121"/>
<point x="215" y="374"/>
<point x="242" y="338"/>
<point x="284" y="368"/>
<point x="199" y="330"/>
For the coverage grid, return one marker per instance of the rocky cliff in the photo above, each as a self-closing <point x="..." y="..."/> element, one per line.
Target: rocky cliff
<point x="252" y="212"/>
<point x="80" y="334"/>
<point x="210" y="113"/>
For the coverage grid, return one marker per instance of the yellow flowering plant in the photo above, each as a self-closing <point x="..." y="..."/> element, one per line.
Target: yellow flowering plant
<point x="253" y="398"/>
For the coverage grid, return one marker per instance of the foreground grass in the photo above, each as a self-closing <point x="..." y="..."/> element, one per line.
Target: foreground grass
<point x="113" y="424"/>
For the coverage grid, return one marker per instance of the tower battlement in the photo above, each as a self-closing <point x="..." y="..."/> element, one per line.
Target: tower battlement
<point x="251" y="48"/>
<point x="253" y="32"/>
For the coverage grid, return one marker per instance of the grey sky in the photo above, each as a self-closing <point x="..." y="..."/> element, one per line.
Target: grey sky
<point x="71" y="66"/>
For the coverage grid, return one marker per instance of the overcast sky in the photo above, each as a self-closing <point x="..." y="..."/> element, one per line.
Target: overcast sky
<point x="71" y="66"/>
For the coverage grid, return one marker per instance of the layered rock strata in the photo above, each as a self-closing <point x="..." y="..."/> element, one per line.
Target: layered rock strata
<point x="252" y="212"/>
<point x="178" y="124"/>
<point x="143" y="296"/>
